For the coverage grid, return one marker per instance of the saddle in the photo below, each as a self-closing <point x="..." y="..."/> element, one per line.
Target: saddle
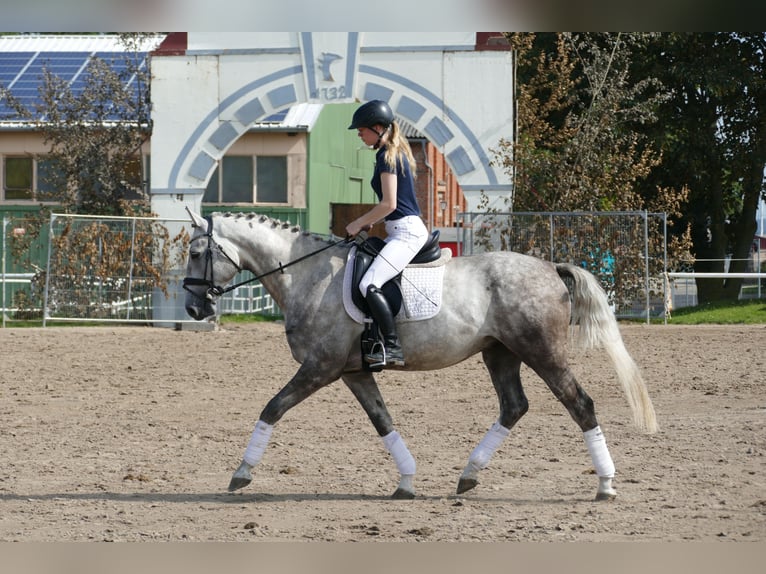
<point x="365" y="253"/>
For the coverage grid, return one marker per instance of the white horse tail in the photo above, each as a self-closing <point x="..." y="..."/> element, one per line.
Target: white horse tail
<point x="598" y="328"/>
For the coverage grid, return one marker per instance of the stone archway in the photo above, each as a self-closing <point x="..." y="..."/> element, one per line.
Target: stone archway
<point x="457" y="94"/>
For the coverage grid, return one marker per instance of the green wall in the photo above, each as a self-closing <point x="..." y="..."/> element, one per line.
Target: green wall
<point x="339" y="166"/>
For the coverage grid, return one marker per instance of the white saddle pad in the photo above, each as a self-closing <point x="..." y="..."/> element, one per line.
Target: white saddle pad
<point x="421" y="289"/>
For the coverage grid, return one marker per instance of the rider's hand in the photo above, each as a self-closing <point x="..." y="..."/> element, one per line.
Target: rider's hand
<point x="354" y="228"/>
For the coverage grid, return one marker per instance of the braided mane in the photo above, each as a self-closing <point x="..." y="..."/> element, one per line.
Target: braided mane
<point x="251" y="217"/>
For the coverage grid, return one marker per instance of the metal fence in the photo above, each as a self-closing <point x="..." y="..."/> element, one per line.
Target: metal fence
<point x="124" y="269"/>
<point x="247" y="299"/>
<point x="105" y="269"/>
<point x="111" y="268"/>
<point x="23" y="254"/>
<point x="625" y="250"/>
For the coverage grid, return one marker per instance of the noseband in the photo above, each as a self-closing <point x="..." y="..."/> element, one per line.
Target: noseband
<point x="208" y="280"/>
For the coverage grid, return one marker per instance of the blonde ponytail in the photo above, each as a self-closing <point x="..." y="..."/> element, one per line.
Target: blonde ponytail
<point x="397" y="147"/>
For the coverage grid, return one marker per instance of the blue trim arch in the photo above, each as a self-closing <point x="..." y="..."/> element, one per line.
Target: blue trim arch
<point x="283" y="88"/>
<point x="281" y="96"/>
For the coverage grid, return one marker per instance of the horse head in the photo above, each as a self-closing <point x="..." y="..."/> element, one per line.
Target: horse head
<point x="213" y="262"/>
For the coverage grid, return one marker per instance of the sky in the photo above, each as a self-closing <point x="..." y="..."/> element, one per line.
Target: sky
<point x="368" y="16"/>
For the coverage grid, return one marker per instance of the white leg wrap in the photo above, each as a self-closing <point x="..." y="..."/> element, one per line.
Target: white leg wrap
<point x="258" y="441"/>
<point x="394" y="443"/>
<point x="483" y="452"/>
<point x="599" y="453"/>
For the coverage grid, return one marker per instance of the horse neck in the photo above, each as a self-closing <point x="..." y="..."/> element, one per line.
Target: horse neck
<point x="265" y="244"/>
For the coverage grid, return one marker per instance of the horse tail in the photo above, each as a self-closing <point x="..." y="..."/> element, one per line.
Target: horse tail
<point x="598" y="328"/>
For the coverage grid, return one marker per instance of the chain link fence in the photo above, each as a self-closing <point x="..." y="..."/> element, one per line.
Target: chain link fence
<point x="130" y="269"/>
<point x="116" y="269"/>
<point x="625" y="250"/>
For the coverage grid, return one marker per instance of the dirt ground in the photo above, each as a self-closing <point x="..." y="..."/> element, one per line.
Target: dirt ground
<point x="132" y="433"/>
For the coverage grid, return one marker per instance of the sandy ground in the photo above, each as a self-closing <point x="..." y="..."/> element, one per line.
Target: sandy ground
<point x="132" y="433"/>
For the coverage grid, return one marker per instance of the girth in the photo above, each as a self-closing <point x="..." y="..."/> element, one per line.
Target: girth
<point x="366" y="252"/>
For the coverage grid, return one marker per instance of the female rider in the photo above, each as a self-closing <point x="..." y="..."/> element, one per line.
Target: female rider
<point x="393" y="182"/>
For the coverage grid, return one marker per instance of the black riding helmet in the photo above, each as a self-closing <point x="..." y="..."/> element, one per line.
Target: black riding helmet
<point x="373" y="113"/>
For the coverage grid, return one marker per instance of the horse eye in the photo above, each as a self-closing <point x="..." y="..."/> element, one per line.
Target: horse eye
<point x="195" y="254"/>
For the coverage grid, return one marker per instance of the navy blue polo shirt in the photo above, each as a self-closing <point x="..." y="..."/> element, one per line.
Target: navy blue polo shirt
<point x="406" y="201"/>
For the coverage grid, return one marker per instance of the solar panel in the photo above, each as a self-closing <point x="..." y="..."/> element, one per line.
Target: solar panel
<point x="65" y="65"/>
<point x="11" y="64"/>
<point x="22" y="73"/>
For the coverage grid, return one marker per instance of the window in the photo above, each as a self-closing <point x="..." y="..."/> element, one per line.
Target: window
<point x="39" y="179"/>
<point x="17" y="180"/>
<point x="271" y="179"/>
<point x="46" y="186"/>
<point x="237" y="179"/>
<point x="248" y="179"/>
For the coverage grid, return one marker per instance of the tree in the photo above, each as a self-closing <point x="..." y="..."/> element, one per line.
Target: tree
<point x="712" y="133"/>
<point x="96" y="131"/>
<point x="579" y="148"/>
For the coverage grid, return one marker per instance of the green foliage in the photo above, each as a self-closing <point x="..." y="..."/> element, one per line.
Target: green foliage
<point x="576" y="146"/>
<point x="712" y="135"/>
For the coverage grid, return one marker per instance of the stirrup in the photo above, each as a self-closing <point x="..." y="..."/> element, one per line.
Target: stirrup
<point x="379" y="356"/>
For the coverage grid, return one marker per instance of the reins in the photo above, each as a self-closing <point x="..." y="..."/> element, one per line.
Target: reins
<point x="217" y="290"/>
<point x="214" y="290"/>
<point x="220" y="291"/>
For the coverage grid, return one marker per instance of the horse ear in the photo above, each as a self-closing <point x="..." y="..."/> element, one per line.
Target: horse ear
<point x="197" y="220"/>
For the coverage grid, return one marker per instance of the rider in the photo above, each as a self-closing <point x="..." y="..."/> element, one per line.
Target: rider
<point x="393" y="181"/>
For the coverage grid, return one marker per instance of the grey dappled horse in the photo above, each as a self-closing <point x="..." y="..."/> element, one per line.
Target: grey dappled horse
<point x="509" y="307"/>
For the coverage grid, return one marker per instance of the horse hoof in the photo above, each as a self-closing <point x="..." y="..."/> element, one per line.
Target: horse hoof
<point x="238" y="482"/>
<point x="402" y="494"/>
<point x="466" y="484"/>
<point x="241" y="477"/>
<point x="605" y="496"/>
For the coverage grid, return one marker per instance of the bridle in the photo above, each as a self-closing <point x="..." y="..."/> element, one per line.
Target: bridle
<point x="208" y="279"/>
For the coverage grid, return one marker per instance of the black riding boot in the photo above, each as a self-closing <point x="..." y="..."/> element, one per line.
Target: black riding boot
<point x="381" y="312"/>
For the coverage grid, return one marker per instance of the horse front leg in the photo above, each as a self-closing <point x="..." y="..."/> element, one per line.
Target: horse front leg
<point x="306" y="382"/>
<point x="365" y="389"/>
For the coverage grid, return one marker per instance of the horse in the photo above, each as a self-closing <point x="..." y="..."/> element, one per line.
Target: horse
<point x="510" y="307"/>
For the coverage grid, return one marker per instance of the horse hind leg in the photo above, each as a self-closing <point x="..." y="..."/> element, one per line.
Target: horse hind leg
<point x="504" y="369"/>
<point x="568" y="391"/>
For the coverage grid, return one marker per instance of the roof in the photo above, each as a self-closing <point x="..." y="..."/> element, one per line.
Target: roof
<point x="24" y="57"/>
<point x="300" y="117"/>
<point x="71" y="43"/>
<point x="409" y="131"/>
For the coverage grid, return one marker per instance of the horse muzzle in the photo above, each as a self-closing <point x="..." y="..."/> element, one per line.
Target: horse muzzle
<point x="199" y="306"/>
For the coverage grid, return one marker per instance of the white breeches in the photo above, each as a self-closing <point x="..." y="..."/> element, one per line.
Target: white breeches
<point x="405" y="237"/>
